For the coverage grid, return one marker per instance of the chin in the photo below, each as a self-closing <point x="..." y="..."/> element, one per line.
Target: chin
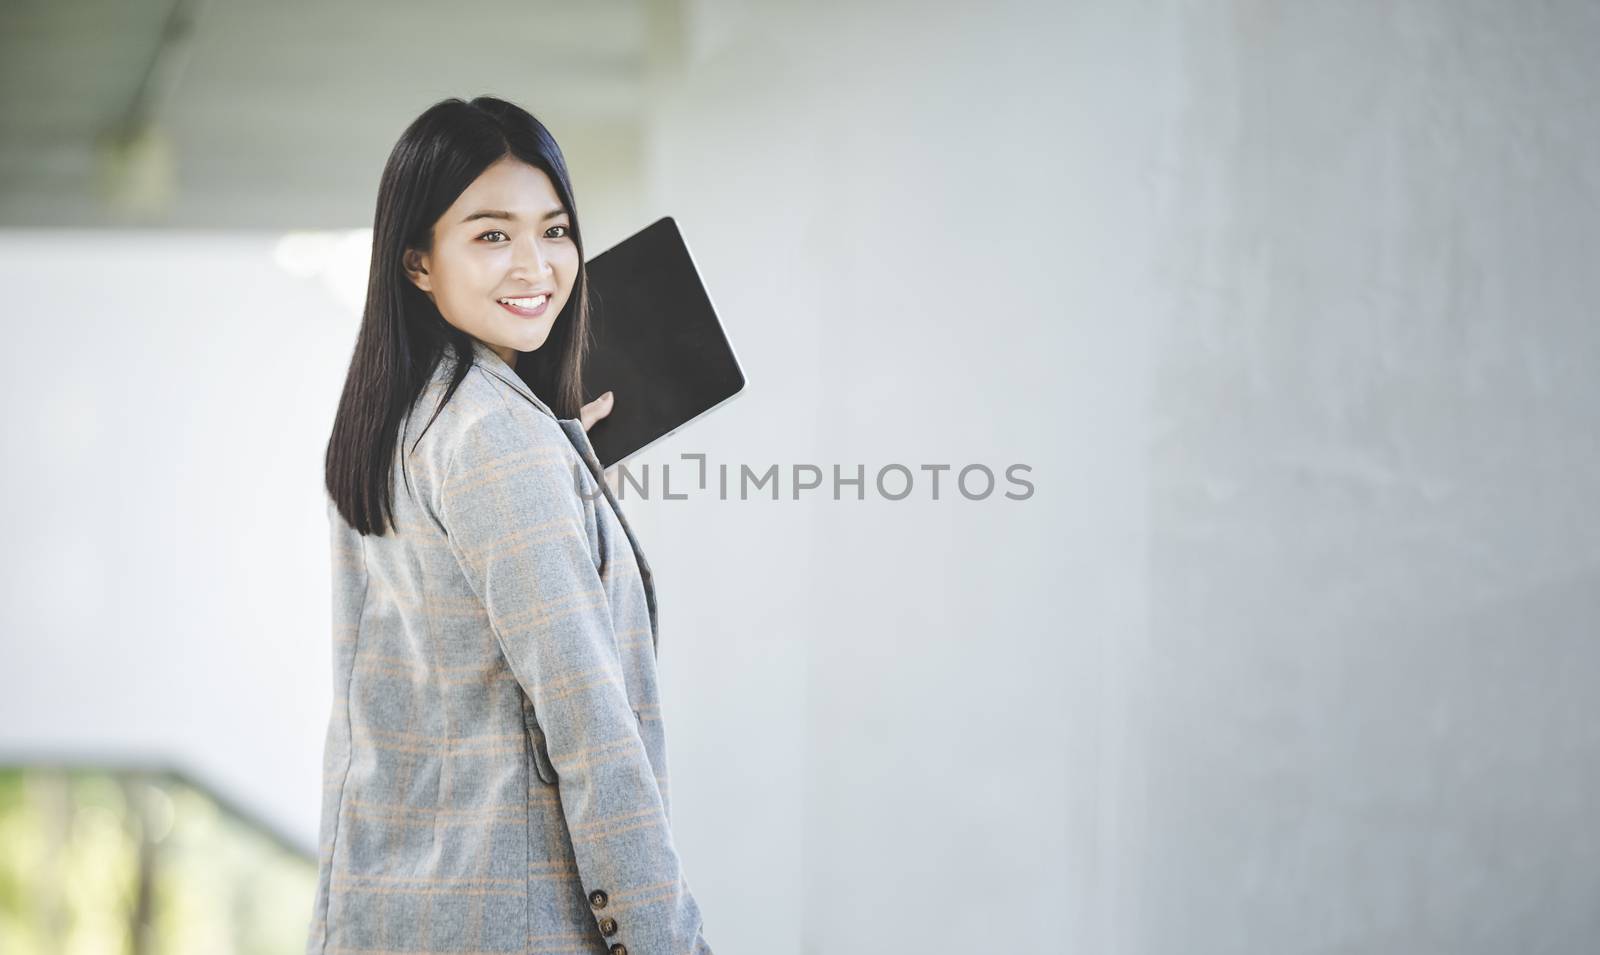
<point x="531" y="342"/>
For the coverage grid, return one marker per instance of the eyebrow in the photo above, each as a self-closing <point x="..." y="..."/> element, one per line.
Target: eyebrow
<point x="509" y="217"/>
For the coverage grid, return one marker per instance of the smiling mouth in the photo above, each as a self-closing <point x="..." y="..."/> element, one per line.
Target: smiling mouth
<point x="530" y="307"/>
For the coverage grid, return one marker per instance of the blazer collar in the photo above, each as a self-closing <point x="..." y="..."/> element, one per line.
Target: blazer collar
<point x="485" y="357"/>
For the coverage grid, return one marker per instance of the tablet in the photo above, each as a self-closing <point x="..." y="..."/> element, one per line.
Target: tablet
<point x="657" y="343"/>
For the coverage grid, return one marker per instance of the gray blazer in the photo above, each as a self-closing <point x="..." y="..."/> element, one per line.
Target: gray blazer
<point x="495" y="765"/>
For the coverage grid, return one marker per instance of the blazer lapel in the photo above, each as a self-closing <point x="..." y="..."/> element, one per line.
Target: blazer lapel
<point x="489" y="361"/>
<point x="484" y="357"/>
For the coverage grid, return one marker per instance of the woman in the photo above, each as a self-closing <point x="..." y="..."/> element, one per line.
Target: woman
<point x="495" y="774"/>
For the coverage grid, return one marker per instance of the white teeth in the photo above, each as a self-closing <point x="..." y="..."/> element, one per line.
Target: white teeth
<point x="534" y="302"/>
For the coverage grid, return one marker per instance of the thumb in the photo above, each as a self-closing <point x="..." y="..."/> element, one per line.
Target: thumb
<point x="595" y="410"/>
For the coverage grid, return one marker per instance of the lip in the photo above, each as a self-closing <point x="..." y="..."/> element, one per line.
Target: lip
<point x="528" y="313"/>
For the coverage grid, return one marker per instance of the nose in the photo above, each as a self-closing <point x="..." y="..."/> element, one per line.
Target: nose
<point x="528" y="253"/>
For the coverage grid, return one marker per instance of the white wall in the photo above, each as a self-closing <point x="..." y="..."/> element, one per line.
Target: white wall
<point x="1292" y="649"/>
<point x="927" y="256"/>
<point x="1373" y="663"/>
<point x="166" y="587"/>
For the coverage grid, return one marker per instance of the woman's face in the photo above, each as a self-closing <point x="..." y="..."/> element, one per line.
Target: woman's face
<point x="505" y="237"/>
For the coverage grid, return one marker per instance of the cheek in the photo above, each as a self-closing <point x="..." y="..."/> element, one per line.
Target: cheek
<point x="566" y="266"/>
<point x="473" y="278"/>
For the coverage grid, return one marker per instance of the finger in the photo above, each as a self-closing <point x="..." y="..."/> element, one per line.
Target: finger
<point x="595" y="410"/>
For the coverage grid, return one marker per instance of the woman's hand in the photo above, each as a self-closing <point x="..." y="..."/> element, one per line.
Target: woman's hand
<point x="595" y="410"/>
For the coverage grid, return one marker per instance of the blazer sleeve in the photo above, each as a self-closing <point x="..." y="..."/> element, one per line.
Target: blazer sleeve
<point x="511" y="506"/>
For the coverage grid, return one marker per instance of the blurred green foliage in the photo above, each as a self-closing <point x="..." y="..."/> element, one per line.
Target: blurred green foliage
<point x="124" y="862"/>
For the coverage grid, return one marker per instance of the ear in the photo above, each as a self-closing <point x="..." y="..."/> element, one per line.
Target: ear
<point x="416" y="266"/>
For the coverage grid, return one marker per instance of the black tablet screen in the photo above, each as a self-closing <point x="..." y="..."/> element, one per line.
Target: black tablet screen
<point x="658" y="343"/>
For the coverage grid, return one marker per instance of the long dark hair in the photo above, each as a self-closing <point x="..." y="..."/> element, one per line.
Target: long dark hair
<point x="403" y="336"/>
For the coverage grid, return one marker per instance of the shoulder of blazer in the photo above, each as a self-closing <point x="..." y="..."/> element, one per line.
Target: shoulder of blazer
<point x="507" y="414"/>
<point x="486" y="402"/>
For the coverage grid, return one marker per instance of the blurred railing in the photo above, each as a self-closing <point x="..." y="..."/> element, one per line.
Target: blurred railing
<point x="130" y="861"/>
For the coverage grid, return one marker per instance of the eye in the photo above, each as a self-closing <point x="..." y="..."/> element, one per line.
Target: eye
<point x="492" y="232"/>
<point x="565" y="232"/>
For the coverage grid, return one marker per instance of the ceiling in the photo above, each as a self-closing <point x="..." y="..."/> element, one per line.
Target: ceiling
<point x="232" y="114"/>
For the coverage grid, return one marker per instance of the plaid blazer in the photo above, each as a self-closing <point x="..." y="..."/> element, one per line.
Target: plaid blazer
<point x="495" y="765"/>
